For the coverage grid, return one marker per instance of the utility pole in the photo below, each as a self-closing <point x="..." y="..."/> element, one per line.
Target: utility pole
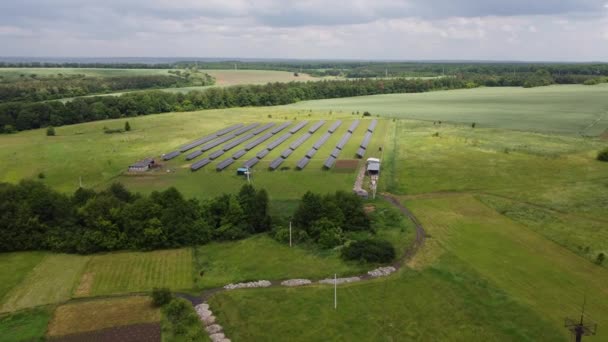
<point x="80" y="182"/>
<point x="289" y="233"/>
<point x="248" y="179"/>
<point x="335" y="291"/>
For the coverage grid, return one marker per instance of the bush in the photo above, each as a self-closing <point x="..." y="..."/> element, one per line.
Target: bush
<point x="603" y="155"/>
<point x="366" y="113"/>
<point x="161" y="296"/>
<point x="369" y="250"/>
<point x="600" y="258"/>
<point x="127" y="126"/>
<point x="50" y="131"/>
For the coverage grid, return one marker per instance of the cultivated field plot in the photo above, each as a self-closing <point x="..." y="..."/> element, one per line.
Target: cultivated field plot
<point x="136" y="271"/>
<point x="25" y="325"/>
<point x="564" y="109"/>
<point x="51" y="281"/>
<point x="98" y="314"/>
<point x="15" y="73"/>
<point x="14" y="267"/>
<point x="261" y="257"/>
<point x="532" y="270"/>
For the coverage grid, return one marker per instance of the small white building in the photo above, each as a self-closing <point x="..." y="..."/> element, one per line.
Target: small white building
<point x="373" y="166"/>
<point x="142" y="165"/>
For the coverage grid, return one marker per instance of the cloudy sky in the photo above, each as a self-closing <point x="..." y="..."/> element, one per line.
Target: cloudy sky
<point x="557" y="30"/>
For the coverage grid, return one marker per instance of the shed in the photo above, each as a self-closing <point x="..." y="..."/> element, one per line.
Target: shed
<point x="373" y="166"/>
<point x="142" y="165"/>
<point x="241" y="171"/>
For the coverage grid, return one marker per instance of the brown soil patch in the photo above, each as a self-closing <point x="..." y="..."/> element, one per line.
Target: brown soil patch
<point x="149" y="332"/>
<point x="346" y="164"/>
<point x="369" y="208"/>
<point x="92" y="315"/>
<point x="86" y="284"/>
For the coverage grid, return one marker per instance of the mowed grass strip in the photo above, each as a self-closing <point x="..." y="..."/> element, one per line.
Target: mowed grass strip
<point x="51" y="281"/>
<point x="261" y="257"/>
<point x="536" y="272"/>
<point x="14" y="267"/>
<point x="27" y="325"/>
<point x="448" y="302"/>
<point x="98" y="314"/>
<point x="125" y="272"/>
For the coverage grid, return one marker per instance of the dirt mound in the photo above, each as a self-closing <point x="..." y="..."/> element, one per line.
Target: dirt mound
<point x="346" y="164"/>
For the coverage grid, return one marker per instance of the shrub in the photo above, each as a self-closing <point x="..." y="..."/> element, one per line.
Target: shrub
<point x="366" y="113"/>
<point x="603" y="155"/>
<point x="127" y="126"/>
<point x="600" y="258"/>
<point x="161" y="296"/>
<point x="41" y="175"/>
<point x="369" y="250"/>
<point x="50" y="131"/>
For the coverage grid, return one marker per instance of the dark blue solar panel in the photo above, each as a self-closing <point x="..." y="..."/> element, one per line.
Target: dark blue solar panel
<point x="280" y="127"/>
<point x="263" y="153"/>
<point x="276" y="163"/>
<point x="224" y="164"/>
<point x="217" y="142"/>
<point x="228" y="129"/>
<point x="278" y="141"/>
<point x="171" y="155"/>
<point x="344" y="140"/>
<point x="300" y="141"/>
<point x="321" y="141"/>
<point x="216" y="154"/>
<point x="251" y="162"/>
<point x="246" y="129"/>
<point x="258" y="141"/>
<point x="262" y="128"/>
<point x="229" y="146"/>
<point x="194" y="155"/>
<point x="200" y="164"/>
<point x="298" y="127"/>
<point x="239" y="154"/>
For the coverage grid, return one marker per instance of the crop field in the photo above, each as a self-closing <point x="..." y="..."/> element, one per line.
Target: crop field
<point x="136" y="271"/>
<point x="14" y="267"/>
<point x="26" y="325"/>
<point x="16" y="73"/>
<point x="51" y="281"/>
<point x="83" y="316"/>
<point x="564" y="109"/>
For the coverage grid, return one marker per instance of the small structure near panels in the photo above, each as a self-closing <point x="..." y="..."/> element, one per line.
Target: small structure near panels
<point x="142" y="165"/>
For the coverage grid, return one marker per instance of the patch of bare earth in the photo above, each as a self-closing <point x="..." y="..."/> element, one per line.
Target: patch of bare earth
<point x="147" y="332"/>
<point x="85" y="286"/>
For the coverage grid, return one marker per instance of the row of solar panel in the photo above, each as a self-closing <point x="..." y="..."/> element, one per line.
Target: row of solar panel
<point x="331" y="160"/>
<point x="366" y="139"/>
<point x="200" y="141"/>
<point x="317" y="145"/>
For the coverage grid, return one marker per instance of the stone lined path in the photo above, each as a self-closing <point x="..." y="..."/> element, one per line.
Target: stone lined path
<point x="216" y="332"/>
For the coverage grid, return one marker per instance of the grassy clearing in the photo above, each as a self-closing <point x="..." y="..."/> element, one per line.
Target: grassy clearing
<point x="51" y="281"/>
<point x="29" y="325"/>
<point x="79" y="317"/>
<point x="566" y="109"/>
<point x="447" y="302"/>
<point x="261" y="257"/>
<point x="559" y="172"/>
<point x="14" y="267"/>
<point x="125" y="272"/>
<point x="534" y="271"/>
<point x="15" y="73"/>
<point x="240" y="77"/>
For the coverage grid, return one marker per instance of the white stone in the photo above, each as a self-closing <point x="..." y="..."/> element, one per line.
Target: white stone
<point x="251" y="284"/>
<point x="218" y="337"/>
<point x="209" y="320"/>
<point x="295" y="282"/>
<point x="214" y="329"/>
<point x="339" y="280"/>
<point x="203" y="306"/>
<point x="382" y="271"/>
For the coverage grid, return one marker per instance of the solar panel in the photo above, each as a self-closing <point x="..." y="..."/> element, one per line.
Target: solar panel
<point x="262" y="154"/>
<point x="280" y="127"/>
<point x="298" y="127"/>
<point x="311" y="152"/>
<point x="217" y="142"/>
<point x="329" y="162"/>
<point x="316" y="126"/>
<point x="286" y="153"/>
<point x="276" y="163"/>
<point x="321" y="141"/>
<point x="216" y="154"/>
<point x="334" y="126"/>
<point x="194" y="155"/>
<point x="200" y="164"/>
<point x="360" y="152"/>
<point x="336" y="152"/>
<point x="251" y="162"/>
<point x="372" y="125"/>
<point x="246" y="129"/>
<point x="262" y="128"/>
<point x="228" y="129"/>
<point x="300" y="141"/>
<point x="279" y="141"/>
<point x="366" y="139"/>
<point x="344" y="140"/>
<point x="239" y="154"/>
<point x="258" y="141"/>
<point x="224" y="164"/>
<point x="171" y="155"/>
<point x="302" y="163"/>
<point x="197" y="142"/>
<point x="229" y="146"/>
<point x="353" y="126"/>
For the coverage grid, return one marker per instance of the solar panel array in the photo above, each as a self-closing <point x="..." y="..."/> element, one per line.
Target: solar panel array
<point x="194" y="154"/>
<point x="300" y="141"/>
<point x="280" y="127"/>
<point x="302" y="163"/>
<point x="224" y="164"/>
<point x="279" y="141"/>
<point x="316" y="126"/>
<point x="353" y="126"/>
<point x="263" y="153"/>
<point x="200" y="164"/>
<point x="251" y="162"/>
<point x="236" y="142"/>
<point x="171" y="155"/>
<point x="228" y="130"/>
<point x="286" y="153"/>
<point x="276" y="163"/>
<point x="258" y="141"/>
<point x="199" y="142"/>
<point x="344" y="140"/>
<point x="217" y="142"/>
<point x="321" y="141"/>
<point x="311" y="152"/>
<point x="262" y="128"/>
<point x="335" y="126"/>
<point x="298" y="127"/>
<point x="329" y="162"/>
<point x="336" y="152"/>
<point x="239" y="154"/>
<point x="246" y="129"/>
<point x="367" y="138"/>
<point x="216" y="154"/>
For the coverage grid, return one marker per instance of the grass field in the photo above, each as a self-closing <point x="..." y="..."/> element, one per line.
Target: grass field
<point x="136" y="271"/>
<point x="28" y="325"/>
<point x="569" y="109"/>
<point x="98" y="314"/>
<point x="51" y="281"/>
<point x="14" y="267"/>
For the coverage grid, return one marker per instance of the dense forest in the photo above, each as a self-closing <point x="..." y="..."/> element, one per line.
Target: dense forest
<point x="32" y="88"/>
<point x="19" y="116"/>
<point x="36" y="217"/>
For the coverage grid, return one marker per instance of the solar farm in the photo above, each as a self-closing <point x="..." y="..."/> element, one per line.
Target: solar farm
<point x="292" y="145"/>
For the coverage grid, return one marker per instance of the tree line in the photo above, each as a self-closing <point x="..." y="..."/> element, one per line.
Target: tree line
<point x="33" y="88"/>
<point x="19" y="116"/>
<point x="36" y="217"/>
